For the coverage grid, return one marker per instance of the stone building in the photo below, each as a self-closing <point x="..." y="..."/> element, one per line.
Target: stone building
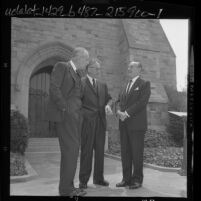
<point x="38" y="43"/>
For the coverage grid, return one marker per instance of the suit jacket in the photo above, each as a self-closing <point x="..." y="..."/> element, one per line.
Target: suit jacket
<point x="95" y="100"/>
<point x="63" y="81"/>
<point x="135" y="103"/>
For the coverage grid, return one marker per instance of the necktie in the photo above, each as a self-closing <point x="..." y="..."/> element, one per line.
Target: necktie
<point x="128" y="86"/>
<point x="78" y="74"/>
<point x="94" y="83"/>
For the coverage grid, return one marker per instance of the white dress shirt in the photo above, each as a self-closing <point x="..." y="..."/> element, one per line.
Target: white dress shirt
<point x="133" y="81"/>
<point x="91" y="79"/>
<point x="107" y="107"/>
<point x="73" y="65"/>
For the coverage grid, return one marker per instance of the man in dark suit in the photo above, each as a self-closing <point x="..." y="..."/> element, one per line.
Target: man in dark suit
<point x="132" y="103"/>
<point x="96" y="103"/>
<point x="64" y="108"/>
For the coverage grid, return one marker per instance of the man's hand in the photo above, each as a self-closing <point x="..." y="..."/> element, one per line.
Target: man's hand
<point x="121" y="115"/>
<point x="108" y="110"/>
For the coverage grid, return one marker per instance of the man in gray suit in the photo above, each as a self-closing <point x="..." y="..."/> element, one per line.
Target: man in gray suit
<point x="64" y="108"/>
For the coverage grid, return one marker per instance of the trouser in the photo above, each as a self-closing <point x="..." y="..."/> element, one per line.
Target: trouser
<point x="92" y="138"/>
<point x="69" y="139"/>
<point x="132" y="148"/>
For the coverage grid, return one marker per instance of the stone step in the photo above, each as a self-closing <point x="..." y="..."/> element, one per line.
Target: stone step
<point x="43" y="145"/>
<point x="49" y="144"/>
<point x="55" y="139"/>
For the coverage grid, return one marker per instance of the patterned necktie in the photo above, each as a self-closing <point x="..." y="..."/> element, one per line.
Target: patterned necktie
<point x="128" y="86"/>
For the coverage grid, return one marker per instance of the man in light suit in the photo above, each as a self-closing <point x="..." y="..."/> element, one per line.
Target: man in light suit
<point x="64" y="108"/>
<point x="96" y="103"/>
<point x="131" y="109"/>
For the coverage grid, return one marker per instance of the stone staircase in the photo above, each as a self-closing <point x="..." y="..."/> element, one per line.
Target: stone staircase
<point x="49" y="144"/>
<point x="43" y="145"/>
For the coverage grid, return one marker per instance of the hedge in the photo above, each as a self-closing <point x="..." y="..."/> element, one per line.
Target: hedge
<point x="159" y="149"/>
<point x="176" y="129"/>
<point x="177" y="102"/>
<point x="155" y="138"/>
<point x="152" y="138"/>
<point x="17" y="165"/>
<point x="19" y="132"/>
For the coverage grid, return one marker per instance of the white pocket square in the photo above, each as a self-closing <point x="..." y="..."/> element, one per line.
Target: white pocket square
<point x="136" y="89"/>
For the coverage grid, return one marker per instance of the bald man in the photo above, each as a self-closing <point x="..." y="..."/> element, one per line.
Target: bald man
<point x="64" y="108"/>
<point x="132" y="103"/>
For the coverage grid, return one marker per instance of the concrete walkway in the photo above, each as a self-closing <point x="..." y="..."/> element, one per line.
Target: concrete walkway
<point x="46" y="164"/>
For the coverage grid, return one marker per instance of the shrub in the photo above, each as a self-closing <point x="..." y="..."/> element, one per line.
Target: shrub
<point x="159" y="149"/>
<point x="19" y="132"/>
<point x="167" y="157"/>
<point x="152" y="138"/>
<point x="155" y="138"/>
<point x="178" y="103"/>
<point x="17" y="165"/>
<point x="176" y="129"/>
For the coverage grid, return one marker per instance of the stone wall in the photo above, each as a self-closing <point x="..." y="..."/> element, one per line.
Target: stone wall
<point x="99" y="36"/>
<point x="148" y="44"/>
<point x="113" y="41"/>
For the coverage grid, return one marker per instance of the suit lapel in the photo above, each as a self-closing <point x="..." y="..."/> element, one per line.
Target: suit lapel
<point x="90" y="85"/>
<point x="137" y="82"/>
<point x="101" y="93"/>
<point x="123" y="93"/>
<point x="74" y="76"/>
<point x="98" y="85"/>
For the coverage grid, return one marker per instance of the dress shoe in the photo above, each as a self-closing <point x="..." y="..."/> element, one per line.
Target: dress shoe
<point x="78" y="189"/>
<point x="77" y="192"/>
<point x="102" y="183"/>
<point x="122" y="184"/>
<point x="82" y="186"/>
<point x="135" y="185"/>
<point x="74" y="192"/>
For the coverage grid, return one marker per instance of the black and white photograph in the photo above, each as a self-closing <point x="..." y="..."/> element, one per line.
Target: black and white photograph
<point x="98" y="107"/>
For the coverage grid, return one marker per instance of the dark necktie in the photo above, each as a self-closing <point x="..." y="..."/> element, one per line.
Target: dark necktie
<point x="94" y="83"/>
<point x="129" y="84"/>
<point x="78" y="73"/>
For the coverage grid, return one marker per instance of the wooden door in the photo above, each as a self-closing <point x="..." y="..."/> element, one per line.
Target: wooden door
<point x="38" y="97"/>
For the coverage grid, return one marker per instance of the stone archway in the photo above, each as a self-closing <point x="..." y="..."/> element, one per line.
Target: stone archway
<point x="34" y="59"/>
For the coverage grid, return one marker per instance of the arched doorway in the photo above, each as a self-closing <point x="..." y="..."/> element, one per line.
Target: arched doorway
<point x="35" y="60"/>
<point x="38" y="97"/>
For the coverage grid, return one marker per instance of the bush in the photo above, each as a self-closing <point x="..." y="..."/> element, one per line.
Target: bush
<point x="178" y="103"/>
<point x="17" y="165"/>
<point x="19" y="132"/>
<point x="159" y="149"/>
<point x="176" y="129"/>
<point x="167" y="157"/>
<point x="154" y="138"/>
